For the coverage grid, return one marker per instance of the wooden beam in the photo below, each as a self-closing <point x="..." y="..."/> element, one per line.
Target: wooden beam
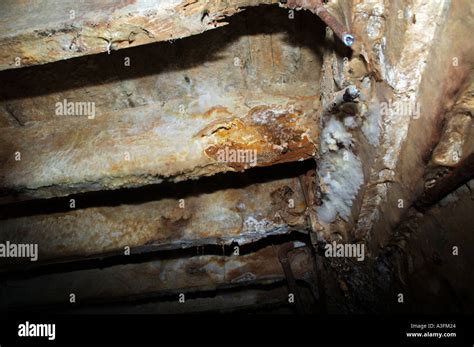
<point x="45" y="31"/>
<point x="157" y="278"/>
<point x="227" y="210"/>
<point x="137" y="147"/>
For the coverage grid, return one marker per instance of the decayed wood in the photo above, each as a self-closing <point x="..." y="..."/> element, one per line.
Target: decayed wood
<point x="162" y="113"/>
<point x="452" y="160"/>
<point x="456" y="142"/>
<point x="45" y="31"/>
<point x="422" y="78"/>
<point x="167" y="277"/>
<point x="210" y="213"/>
<point x="261" y="53"/>
<point x="129" y="149"/>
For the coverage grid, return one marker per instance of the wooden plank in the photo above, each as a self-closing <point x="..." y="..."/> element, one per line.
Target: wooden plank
<point x="157" y="278"/>
<point x="39" y="32"/>
<point x="215" y="212"/>
<point x="140" y="147"/>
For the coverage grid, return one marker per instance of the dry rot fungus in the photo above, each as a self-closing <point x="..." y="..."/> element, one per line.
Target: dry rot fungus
<point x="272" y="134"/>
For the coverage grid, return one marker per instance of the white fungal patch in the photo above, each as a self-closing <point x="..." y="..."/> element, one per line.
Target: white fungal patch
<point x="340" y="171"/>
<point x="334" y="135"/>
<point x="268" y="116"/>
<point x="252" y="224"/>
<point x="350" y="122"/>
